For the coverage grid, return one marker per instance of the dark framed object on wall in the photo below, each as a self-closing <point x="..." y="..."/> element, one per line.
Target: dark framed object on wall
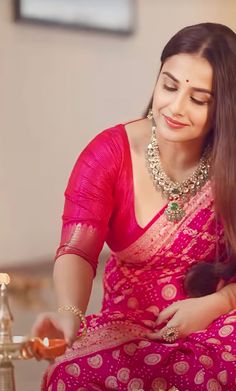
<point x="115" y="16"/>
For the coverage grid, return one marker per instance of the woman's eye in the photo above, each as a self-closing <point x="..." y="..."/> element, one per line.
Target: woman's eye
<point x="194" y="100"/>
<point x="199" y="102"/>
<point x="169" y="88"/>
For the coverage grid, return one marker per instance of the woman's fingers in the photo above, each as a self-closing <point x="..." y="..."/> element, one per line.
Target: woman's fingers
<point x="148" y="323"/>
<point x="166" y="314"/>
<point x="43" y="323"/>
<point x="54" y="325"/>
<point x="158" y="335"/>
<point x="48" y="325"/>
<point x="70" y="325"/>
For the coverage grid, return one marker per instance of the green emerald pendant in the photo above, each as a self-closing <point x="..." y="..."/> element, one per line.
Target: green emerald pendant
<point x="174" y="212"/>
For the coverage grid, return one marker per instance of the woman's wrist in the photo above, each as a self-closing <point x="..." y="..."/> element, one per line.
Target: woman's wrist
<point x="228" y="292"/>
<point x="76" y="311"/>
<point x="221" y="302"/>
<point x="71" y="308"/>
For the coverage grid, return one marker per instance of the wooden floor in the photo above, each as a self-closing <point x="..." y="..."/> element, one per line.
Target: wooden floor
<point x="31" y="293"/>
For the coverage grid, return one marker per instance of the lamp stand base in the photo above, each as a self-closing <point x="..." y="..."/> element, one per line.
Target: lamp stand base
<point x="7" y="382"/>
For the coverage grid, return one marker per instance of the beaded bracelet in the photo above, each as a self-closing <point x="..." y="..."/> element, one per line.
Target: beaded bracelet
<point x="77" y="312"/>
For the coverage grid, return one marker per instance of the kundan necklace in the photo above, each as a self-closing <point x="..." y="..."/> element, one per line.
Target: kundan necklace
<point x="177" y="193"/>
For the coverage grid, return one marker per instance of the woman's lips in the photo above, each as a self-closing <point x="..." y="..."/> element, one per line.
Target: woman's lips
<point x="174" y="124"/>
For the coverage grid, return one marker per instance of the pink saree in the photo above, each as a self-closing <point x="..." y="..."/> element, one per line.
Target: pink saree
<point x="143" y="275"/>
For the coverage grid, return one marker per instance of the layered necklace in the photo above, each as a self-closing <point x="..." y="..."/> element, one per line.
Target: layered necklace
<point x="177" y="193"/>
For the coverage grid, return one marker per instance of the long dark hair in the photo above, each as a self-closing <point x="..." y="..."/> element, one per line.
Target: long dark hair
<point x="217" y="44"/>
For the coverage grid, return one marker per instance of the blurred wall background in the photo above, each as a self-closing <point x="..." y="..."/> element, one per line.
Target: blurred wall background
<point x="58" y="88"/>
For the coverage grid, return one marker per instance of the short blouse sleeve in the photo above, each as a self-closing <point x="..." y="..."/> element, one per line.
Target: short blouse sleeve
<point x="89" y="198"/>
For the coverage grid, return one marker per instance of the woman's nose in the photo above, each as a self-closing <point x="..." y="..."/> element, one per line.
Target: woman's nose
<point x="178" y="105"/>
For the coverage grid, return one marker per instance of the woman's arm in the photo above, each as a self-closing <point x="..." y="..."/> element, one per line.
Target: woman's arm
<point x="226" y="297"/>
<point x="89" y="202"/>
<point x="73" y="278"/>
<point x="195" y="314"/>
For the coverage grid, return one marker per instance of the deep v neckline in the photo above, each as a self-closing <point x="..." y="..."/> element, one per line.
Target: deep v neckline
<point x="130" y="162"/>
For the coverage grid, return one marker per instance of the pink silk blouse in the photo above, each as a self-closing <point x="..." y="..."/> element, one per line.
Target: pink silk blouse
<point x="99" y="199"/>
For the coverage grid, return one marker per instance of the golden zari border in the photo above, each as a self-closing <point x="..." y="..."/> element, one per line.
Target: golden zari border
<point x="109" y="335"/>
<point x="162" y="233"/>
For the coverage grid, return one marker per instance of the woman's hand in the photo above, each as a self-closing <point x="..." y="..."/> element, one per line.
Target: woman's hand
<point x="190" y="315"/>
<point x="56" y="325"/>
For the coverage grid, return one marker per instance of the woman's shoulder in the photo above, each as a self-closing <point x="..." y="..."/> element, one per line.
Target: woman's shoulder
<point x="114" y="143"/>
<point x="111" y="135"/>
<point x="120" y="135"/>
<point x="108" y="142"/>
<point x="105" y="150"/>
<point x="109" y="151"/>
<point x="138" y="133"/>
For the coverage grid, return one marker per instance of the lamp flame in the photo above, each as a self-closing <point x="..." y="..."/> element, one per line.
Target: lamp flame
<point x="4" y="278"/>
<point x="46" y="342"/>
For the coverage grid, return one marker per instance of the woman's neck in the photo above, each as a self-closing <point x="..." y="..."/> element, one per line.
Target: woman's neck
<point x="179" y="159"/>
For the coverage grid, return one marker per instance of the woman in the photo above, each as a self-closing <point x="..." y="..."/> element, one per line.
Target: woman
<point x="160" y="191"/>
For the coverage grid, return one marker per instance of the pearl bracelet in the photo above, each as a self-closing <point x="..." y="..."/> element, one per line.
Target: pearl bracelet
<point x="77" y="312"/>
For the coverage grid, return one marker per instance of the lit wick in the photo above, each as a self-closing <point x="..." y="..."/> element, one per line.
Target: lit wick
<point x="46" y="342"/>
<point x="4" y="278"/>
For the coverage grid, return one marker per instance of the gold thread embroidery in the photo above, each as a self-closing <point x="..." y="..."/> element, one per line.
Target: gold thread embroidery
<point x="81" y="238"/>
<point x="109" y="335"/>
<point x="162" y="233"/>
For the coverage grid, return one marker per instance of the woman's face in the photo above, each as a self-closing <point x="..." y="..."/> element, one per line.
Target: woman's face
<point x="182" y="104"/>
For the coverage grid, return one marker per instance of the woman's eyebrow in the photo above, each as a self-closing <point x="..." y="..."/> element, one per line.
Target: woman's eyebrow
<point x="171" y="76"/>
<point x="197" y="89"/>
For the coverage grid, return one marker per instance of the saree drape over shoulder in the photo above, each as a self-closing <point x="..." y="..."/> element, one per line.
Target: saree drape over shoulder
<point x="143" y="275"/>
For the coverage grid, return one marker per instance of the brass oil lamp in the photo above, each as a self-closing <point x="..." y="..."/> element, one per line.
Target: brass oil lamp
<point x="11" y="347"/>
<point x="19" y="347"/>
